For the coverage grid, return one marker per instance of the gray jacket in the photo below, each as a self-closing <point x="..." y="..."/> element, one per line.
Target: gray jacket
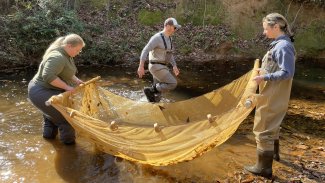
<point x="155" y="48"/>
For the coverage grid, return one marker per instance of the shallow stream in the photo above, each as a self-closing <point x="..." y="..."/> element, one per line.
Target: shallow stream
<point x="26" y="157"/>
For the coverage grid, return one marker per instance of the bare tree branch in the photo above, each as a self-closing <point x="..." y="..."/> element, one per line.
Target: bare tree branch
<point x="287" y="12"/>
<point x="205" y="9"/>
<point x="292" y="23"/>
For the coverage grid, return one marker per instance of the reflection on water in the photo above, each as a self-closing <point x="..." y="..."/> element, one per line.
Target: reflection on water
<point x="26" y="157"/>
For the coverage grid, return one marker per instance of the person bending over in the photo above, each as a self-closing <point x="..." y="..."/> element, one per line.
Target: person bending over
<point x="56" y="74"/>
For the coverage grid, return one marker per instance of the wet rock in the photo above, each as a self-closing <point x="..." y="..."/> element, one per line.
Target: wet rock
<point x="322" y="154"/>
<point x="302" y="136"/>
<point x="301" y="146"/>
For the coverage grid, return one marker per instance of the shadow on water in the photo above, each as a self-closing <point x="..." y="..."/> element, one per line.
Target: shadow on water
<point x="75" y="164"/>
<point x="300" y="124"/>
<point x="217" y="165"/>
<point x="309" y="83"/>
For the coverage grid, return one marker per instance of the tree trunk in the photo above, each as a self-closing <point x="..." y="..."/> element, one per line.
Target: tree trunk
<point x="5" y="6"/>
<point x="70" y="4"/>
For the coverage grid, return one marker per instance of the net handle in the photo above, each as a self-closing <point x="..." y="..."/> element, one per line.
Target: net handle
<point x="88" y="82"/>
<point x="58" y="98"/>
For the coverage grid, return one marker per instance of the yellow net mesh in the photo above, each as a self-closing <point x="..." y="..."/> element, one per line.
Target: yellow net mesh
<point x="162" y="133"/>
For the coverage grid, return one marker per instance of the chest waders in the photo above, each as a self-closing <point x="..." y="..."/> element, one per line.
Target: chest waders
<point x="163" y="80"/>
<point x="270" y="111"/>
<point x="272" y="106"/>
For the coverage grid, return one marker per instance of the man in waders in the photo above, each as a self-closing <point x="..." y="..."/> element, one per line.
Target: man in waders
<point x="160" y="49"/>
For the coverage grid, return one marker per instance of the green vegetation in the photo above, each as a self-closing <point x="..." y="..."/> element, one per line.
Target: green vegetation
<point x="311" y="40"/>
<point x="99" y="4"/>
<point x="30" y="30"/>
<point x="103" y="52"/>
<point x="200" y="13"/>
<point x="150" y="18"/>
<point x="117" y="30"/>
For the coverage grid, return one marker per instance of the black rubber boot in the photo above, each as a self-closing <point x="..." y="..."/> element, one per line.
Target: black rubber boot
<point x="276" y="155"/>
<point x="157" y="93"/>
<point x="263" y="166"/>
<point x="150" y="94"/>
<point x="50" y="130"/>
<point x="158" y="97"/>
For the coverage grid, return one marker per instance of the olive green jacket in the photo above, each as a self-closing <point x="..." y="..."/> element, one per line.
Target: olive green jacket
<point x="55" y="64"/>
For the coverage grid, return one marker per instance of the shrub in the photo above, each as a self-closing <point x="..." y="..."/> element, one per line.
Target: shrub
<point x="34" y="26"/>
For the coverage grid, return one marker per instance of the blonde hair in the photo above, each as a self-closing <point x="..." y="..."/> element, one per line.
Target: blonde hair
<point x="276" y="18"/>
<point x="72" y="39"/>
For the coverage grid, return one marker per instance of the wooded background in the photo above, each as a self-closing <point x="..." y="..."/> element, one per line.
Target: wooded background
<point x="115" y="31"/>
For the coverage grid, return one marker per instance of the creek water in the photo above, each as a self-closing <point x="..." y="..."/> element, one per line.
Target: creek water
<point x="26" y="157"/>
